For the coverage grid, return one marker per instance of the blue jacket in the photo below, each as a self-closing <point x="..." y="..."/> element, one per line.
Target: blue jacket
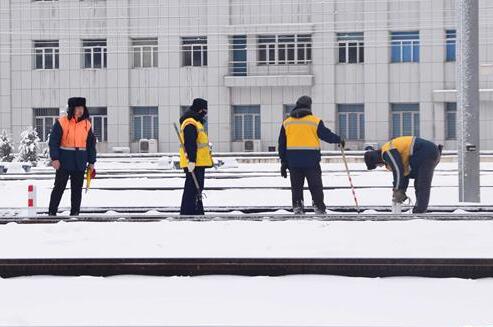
<point x="304" y="158"/>
<point x="424" y="153"/>
<point x="71" y="160"/>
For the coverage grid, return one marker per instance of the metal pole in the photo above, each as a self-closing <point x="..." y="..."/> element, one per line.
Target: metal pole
<point x="468" y="99"/>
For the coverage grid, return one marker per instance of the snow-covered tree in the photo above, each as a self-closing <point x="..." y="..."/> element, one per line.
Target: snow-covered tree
<point x="28" y="149"/>
<point x="6" y="147"/>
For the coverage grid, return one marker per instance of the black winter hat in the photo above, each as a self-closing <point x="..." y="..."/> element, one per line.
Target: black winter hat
<point x="304" y="102"/>
<point x="198" y="104"/>
<point x="76" y="101"/>
<point x="372" y="158"/>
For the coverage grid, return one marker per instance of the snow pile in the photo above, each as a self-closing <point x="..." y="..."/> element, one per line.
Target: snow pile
<point x="165" y="163"/>
<point x="245" y="301"/>
<point x="250" y="239"/>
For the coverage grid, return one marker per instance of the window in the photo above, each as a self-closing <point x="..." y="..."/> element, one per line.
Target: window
<point x="351" y="121"/>
<point x="95" y="54"/>
<point x="99" y="122"/>
<point x="194" y="51"/>
<point x="405" y="119"/>
<point x="284" y="49"/>
<point x="44" y="118"/>
<point x="405" y="46"/>
<point x="246" y="123"/>
<point x="450" y="46"/>
<point x="239" y="55"/>
<point x="351" y="48"/>
<point x="145" y="123"/>
<point x="46" y="54"/>
<point x="287" y="110"/>
<point x="145" y="52"/>
<point x="451" y="121"/>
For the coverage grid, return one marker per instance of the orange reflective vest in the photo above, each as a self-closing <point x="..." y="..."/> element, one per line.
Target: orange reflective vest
<point x="74" y="134"/>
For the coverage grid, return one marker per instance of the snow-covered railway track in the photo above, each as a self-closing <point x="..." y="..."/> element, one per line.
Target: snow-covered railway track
<point x="173" y="216"/>
<point x="355" y="267"/>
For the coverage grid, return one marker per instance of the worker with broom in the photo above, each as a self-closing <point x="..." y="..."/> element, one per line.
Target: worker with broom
<point x="195" y="156"/>
<point x="299" y="151"/>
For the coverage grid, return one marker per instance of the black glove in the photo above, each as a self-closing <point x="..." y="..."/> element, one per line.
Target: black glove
<point x="342" y="144"/>
<point x="399" y="196"/>
<point x="284" y="170"/>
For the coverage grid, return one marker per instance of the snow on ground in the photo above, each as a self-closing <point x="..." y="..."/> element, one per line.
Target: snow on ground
<point x="445" y="191"/>
<point x="245" y="301"/>
<point x="250" y="239"/>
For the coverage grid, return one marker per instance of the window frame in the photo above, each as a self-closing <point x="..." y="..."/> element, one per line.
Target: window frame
<point x="450" y="40"/>
<point x="400" y="110"/>
<point x="241" y="111"/>
<point x="101" y="113"/>
<point x="450" y="111"/>
<point x="40" y="51"/>
<point x="139" y="50"/>
<point x="189" y="47"/>
<point x="91" y="45"/>
<point x="154" y="120"/>
<point x="344" y="41"/>
<point x="39" y="116"/>
<point x="346" y="111"/>
<point x="405" y="40"/>
<point x="276" y="49"/>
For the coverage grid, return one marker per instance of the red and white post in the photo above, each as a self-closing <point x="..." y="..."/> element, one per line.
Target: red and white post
<point x="31" y="201"/>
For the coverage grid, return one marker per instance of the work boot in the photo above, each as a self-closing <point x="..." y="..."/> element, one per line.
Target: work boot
<point x="320" y="211"/>
<point x="298" y="211"/>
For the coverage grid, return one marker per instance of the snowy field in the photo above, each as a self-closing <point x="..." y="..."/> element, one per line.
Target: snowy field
<point x="245" y="301"/>
<point x="250" y="239"/>
<point x="444" y="192"/>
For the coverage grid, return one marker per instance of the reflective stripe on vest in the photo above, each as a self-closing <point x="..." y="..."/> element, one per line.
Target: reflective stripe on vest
<point x="74" y="134"/>
<point x="301" y="133"/>
<point x="72" y="149"/>
<point x="405" y="146"/>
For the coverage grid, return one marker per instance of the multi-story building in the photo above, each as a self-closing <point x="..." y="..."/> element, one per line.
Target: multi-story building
<point x="374" y="68"/>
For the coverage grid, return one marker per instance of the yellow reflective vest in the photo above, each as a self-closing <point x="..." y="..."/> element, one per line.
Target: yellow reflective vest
<point x="204" y="155"/>
<point x="404" y="145"/>
<point x="301" y="133"/>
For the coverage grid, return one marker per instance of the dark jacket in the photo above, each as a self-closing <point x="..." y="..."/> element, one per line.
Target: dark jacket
<point x="304" y="158"/>
<point x="190" y="134"/>
<point x="424" y="153"/>
<point x="72" y="160"/>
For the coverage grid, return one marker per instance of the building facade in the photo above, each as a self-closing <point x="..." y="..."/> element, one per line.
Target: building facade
<point x="374" y="68"/>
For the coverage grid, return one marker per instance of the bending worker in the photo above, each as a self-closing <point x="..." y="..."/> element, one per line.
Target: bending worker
<point x="299" y="151"/>
<point x="72" y="148"/>
<point x="195" y="157"/>
<point x="408" y="157"/>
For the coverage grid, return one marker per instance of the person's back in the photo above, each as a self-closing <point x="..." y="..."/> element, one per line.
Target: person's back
<point x="299" y="151"/>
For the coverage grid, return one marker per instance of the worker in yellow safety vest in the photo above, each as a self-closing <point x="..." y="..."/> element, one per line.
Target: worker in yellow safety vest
<point x="195" y="155"/>
<point x="299" y="151"/>
<point x="408" y="157"/>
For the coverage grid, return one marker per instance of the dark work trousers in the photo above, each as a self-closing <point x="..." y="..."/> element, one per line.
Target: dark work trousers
<point x="189" y="204"/>
<point x="76" y="183"/>
<point x="422" y="183"/>
<point x="314" y="178"/>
